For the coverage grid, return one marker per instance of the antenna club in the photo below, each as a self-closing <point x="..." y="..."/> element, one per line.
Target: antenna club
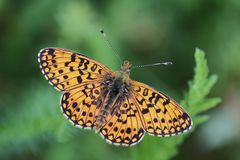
<point x="102" y="32"/>
<point x="167" y="63"/>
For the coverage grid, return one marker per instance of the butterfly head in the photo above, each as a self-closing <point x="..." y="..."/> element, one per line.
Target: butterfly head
<point x="126" y="67"/>
<point x="124" y="71"/>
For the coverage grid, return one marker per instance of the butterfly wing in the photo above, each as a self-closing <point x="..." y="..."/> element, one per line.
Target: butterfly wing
<point x="80" y="80"/>
<point x="79" y="105"/>
<point x="124" y="127"/>
<point x="66" y="70"/>
<point x="161" y="115"/>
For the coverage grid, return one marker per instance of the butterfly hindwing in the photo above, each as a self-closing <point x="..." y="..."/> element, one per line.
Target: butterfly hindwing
<point x="125" y="127"/>
<point x="80" y="104"/>
<point x="66" y="69"/>
<point x="160" y="114"/>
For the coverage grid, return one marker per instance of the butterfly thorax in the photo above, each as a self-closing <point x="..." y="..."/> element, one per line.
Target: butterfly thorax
<point x="115" y="91"/>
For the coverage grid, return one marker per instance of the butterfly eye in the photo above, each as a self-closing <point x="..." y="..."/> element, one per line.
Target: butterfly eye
<point x="108" y="82"/>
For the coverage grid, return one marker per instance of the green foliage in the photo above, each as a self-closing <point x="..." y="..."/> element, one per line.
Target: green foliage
<point x="27" y="124"/>
<point x="39" y="121"/>
<point x="195" y="99"/>
<point x="195" y="102"/>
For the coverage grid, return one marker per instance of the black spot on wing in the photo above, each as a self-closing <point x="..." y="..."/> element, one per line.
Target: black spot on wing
<point x="79" y="79"/>
<point x="50" y="51"/>
<point x="145" y="111"/>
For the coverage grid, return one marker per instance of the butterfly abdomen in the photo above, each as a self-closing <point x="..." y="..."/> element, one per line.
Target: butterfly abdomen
<point x="114" y="90"/>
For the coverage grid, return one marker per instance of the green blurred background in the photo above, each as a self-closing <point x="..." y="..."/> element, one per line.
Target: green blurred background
<point x="31" y="123"/>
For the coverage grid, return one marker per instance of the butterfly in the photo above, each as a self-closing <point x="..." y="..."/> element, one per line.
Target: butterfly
<point x="120" y="109"/>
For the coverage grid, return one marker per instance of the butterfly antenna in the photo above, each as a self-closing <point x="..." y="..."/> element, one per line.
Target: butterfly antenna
<point x="148" y="65"/>
<point x="110" y="45"/>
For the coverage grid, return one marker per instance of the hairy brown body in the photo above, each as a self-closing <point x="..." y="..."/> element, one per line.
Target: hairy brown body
<point x="116" y="90"/>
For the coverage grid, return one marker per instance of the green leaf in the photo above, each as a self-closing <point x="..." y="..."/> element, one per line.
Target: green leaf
<point x="204" y="105"/>
<point x="199" y="119"/>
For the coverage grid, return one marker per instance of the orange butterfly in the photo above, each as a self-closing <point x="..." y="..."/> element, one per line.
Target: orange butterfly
<point x="119" y="108"/>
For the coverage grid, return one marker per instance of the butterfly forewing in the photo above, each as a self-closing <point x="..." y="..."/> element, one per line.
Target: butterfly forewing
<point x="66" y="69"/>
<point x="160" y="114"/>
